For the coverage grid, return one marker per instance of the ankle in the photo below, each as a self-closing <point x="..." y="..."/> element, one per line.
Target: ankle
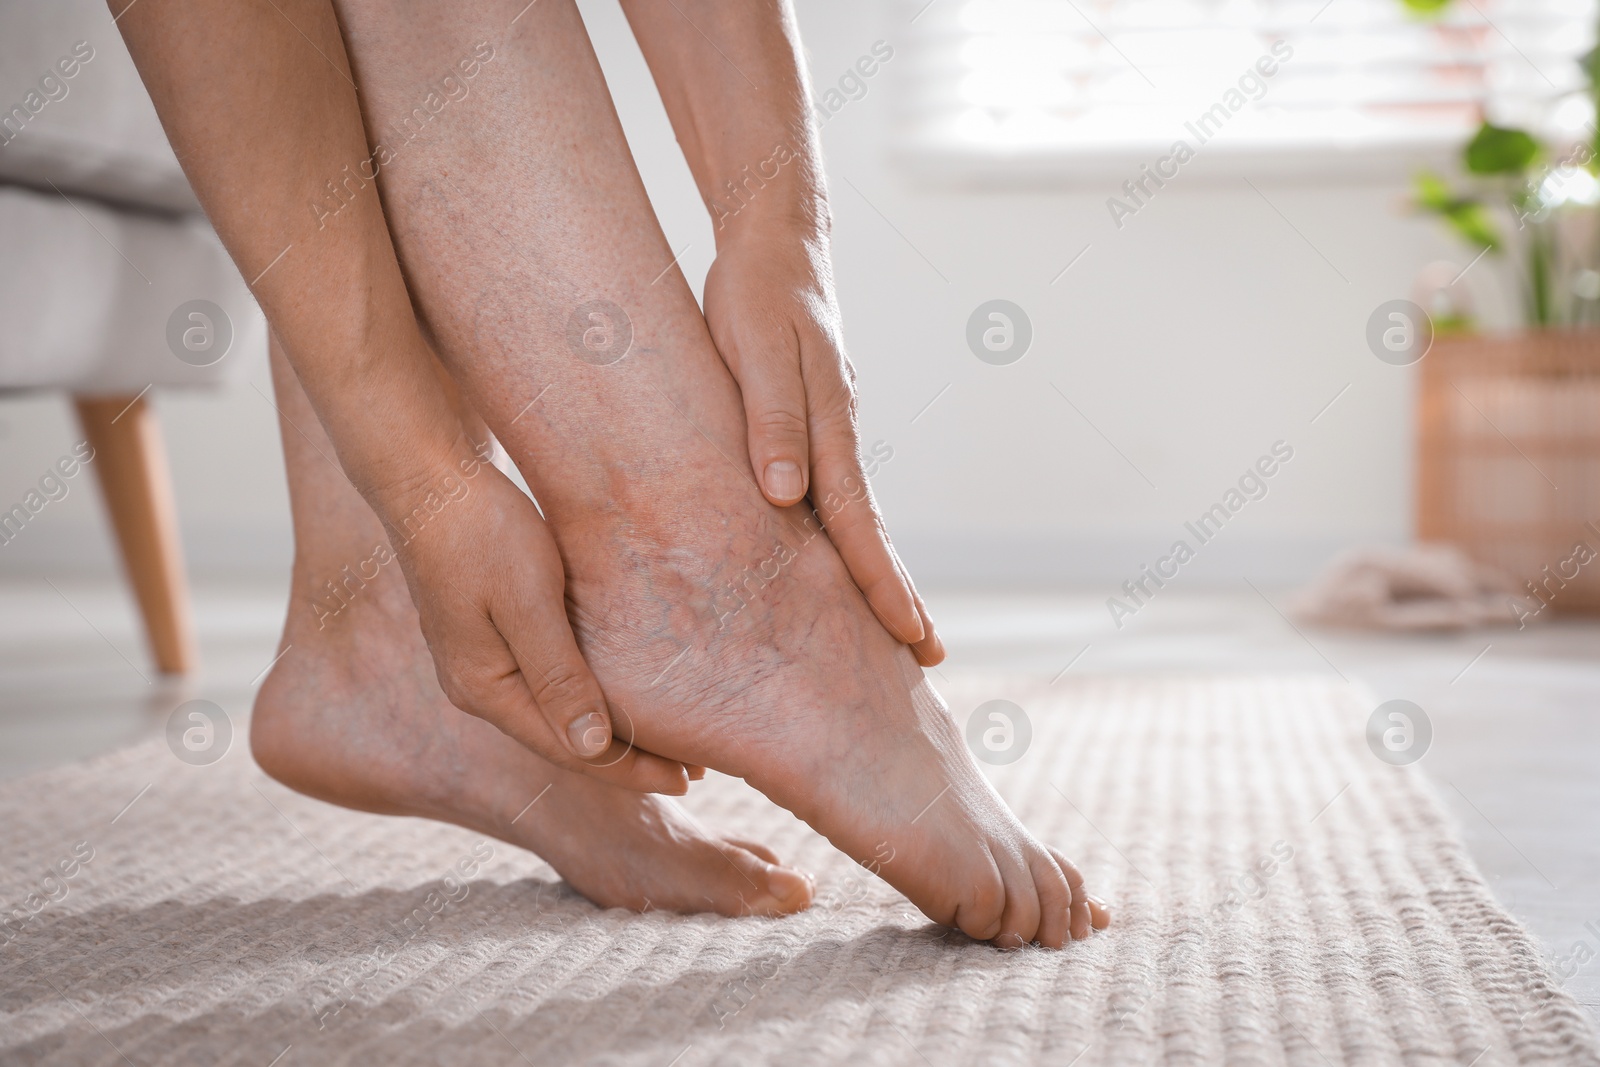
<point x="329" y="588"/>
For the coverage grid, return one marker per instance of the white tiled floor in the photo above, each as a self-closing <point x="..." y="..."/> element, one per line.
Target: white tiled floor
<point x="1516" y="751"/>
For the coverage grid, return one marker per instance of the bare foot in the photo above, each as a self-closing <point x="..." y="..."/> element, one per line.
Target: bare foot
<point x="353" y="714"/>
<point x="782" y="675"/>
<point x="732" y="636"/>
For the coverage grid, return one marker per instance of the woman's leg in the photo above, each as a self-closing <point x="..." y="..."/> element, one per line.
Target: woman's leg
<point x="353" y="714"/>
<point x="728" y="629"/>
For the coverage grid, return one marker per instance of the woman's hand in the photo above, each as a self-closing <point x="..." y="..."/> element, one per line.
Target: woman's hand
<point x="488" y="583"/>
<point x="770" y="304"/>
<point x="756" y="158"/>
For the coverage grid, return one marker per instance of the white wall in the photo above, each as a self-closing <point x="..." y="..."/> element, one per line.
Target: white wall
<point x="1195" y="337"/>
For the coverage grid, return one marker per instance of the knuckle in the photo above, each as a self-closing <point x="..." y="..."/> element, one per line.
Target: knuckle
<point x="836" y="398"/>
<point x="752" y="342"/>
<point x="837" y="429"/>
<point x="881" y="585"/>
<point x="558" y="683"/>
<point x="848" y="373"/>
<point x="838" y="446"/>
<point x="467" y="687"/>
<point x="837" y="369"/>
<point x="775" y="421"/>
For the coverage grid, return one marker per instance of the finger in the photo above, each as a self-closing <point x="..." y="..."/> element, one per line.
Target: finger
<point x="625" y="764"/>
<point x="567" y="694"/>
<point x="768" y="372"/>
<point x="930" y="650"/>
<point x="844" y="503"/>
<point x="569" y="699"/>
<point x="482" y="674"/>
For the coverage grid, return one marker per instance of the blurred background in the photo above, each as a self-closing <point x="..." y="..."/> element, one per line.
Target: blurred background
<point x="976" y="164"/>
<point x="1375" y="251"/>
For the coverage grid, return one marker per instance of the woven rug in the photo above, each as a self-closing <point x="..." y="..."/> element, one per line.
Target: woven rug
<point x="1282" y="896"/>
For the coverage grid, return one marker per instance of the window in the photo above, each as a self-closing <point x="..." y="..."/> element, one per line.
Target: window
<point x="1066" y="82"/>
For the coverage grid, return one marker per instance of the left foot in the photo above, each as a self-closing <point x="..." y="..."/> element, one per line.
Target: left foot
<point x="354" y="715"/>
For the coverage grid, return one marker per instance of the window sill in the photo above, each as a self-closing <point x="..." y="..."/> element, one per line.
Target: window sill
<point x="949" y="163"/>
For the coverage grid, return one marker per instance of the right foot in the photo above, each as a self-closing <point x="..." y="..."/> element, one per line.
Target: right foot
<point x="510" y="219"/>
<point x="799" y="690"/>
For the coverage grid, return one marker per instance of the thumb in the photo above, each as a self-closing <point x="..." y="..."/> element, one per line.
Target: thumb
<point x="570" y="700"/>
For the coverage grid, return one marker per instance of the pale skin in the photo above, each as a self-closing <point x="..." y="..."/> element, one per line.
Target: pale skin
<point x="672" y="587"/>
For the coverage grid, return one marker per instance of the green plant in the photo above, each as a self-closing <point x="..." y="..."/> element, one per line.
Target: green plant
<point x="1509" y="170"/>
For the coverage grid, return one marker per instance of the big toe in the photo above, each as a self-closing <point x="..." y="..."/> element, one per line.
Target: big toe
<point x="743" y="881"/>
<point x="757" y="847"/>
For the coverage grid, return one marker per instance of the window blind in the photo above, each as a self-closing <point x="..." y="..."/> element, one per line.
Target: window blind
<point x="1019" y="77"/>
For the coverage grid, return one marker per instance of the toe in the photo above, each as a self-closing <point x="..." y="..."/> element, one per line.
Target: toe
<point x="1019" y="923"/>
<point x="1055" y="900"/>
<point x="754" y="885"/>
<point x="1080" y="924"/>
<point x="757" y="847"/>
<point x="981" y="913"/>
<point x="1099" y="913"/>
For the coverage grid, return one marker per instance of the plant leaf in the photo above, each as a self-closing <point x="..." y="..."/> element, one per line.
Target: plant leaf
<point x="1473" y="224"/>
<point x="1467" y="216"/>
<point x="1500" y="150"/>
<point x="1433" y="192"/>
<point x="1589" y="63"/>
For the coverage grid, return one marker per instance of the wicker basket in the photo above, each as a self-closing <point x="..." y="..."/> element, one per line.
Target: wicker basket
<point x="1509" y="458"/>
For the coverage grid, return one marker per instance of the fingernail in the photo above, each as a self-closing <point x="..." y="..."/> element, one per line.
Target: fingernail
<point x="784" y="480"/>
<point x="589" y="734"/>
<point x="919" y="631"/>
<point x="789" y="888"/>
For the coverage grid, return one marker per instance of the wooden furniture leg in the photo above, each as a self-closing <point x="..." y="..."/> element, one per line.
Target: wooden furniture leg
<point x="130" y="460"/>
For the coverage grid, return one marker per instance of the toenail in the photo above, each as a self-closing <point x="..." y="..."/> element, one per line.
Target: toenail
<point x="783" y="479"/>
<point x="589" y="734"/>
<point x="786" y="886"/>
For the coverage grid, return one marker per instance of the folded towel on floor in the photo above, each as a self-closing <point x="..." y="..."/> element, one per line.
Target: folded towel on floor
<point x="1419" y="587"/>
